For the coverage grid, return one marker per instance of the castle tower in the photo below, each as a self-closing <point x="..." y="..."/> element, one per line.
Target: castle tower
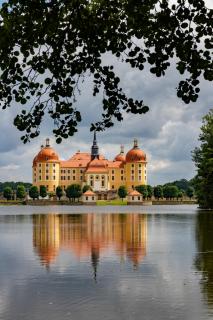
<point x="94" y="148"/>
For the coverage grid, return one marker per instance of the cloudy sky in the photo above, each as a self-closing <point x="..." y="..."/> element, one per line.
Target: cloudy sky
<point x="167" y="133"/>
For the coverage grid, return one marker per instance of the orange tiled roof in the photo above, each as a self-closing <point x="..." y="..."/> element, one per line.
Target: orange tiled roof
<point x="74" y="163"/>
<point x="135" y="155"/>
<point x="46" y="154"/>
<point x="134" y="193"/>
<point x="89" y="193"/>
<point x="115" y="164"/>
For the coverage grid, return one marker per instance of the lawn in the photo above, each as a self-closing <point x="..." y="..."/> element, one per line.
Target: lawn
<point x="115" y="202"/>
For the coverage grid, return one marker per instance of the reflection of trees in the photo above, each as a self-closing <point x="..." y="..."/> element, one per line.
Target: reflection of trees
<point x="90" y="235"/>
<point x="204" y="260"/>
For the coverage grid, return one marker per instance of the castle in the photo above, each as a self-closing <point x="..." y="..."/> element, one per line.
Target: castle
<point x="104" y="176"/>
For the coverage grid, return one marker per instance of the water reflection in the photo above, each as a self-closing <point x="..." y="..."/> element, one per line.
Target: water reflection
<point x="204" y="260"/>
<point x="90" y="235"/>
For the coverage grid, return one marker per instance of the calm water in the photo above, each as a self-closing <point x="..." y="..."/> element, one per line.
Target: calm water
<point x="58" y="264"/>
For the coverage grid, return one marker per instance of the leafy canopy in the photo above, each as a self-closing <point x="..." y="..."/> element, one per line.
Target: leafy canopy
<point x="21" y="192"/>
<point x="47" y="47"/>
<point x="73" y="191"/>
<point x="33" y="192"/>
<point x="59" y="192"/>
<point x="7" y="193"/>
<point x="203" y="158"/>
<point x="122" y="192"/>
<point x="43" y="191"/>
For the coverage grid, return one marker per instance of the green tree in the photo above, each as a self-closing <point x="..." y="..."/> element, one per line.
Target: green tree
<point x="43" y="191"/>
<point x="174" y="191"/>
<point x="21" y="192"/>
<point x="158" y="192"/>
<point x="86" y="188"/>
<point x="190" y="192"/>
<point x="143" y="190"/>
<point x="203" y="158"/>
<point x="33" y="192"/>
<point x="122" y="192"/>
<point x="7" y="193"/>
<point x="180" y="195"/>
<point x="59" y="192"/>
<point x="73" y="191"/>
<point x="42" y="64"/>
<point x="170" y="192"/>
<point x="149" y="191"/>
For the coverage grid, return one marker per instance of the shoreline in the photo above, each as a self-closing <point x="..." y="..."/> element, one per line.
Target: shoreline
<point x="101" y="203"/>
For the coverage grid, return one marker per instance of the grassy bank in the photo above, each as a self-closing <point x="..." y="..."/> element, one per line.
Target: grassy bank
<point x="115" y="202"/>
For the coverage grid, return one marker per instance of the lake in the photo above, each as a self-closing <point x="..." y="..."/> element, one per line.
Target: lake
<point x="97" y="263"/>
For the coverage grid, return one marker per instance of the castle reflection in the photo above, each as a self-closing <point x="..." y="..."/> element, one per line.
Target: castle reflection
<point x="90" y="235"/>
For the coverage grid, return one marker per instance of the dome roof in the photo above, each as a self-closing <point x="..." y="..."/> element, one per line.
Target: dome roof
<point x="46" y="154"/>
<point x="120" y="156"/>
<point x="135" y="154"/>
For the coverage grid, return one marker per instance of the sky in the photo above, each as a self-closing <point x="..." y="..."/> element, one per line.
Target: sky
<point x="167" y="133"/>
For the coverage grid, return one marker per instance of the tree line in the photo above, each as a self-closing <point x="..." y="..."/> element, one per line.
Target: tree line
<point x="168" y="191"/>
<point x="74" y="191"/>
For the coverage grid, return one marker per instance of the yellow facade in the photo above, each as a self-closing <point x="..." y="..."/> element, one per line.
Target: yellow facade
<point x="89" y="235"/>
<point x="90" y="168"/>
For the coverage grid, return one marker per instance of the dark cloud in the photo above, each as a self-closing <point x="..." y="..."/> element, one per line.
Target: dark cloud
<point x="168" y="132"/>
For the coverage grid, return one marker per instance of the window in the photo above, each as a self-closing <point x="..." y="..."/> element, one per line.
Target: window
<point x="97" y="178"/>
<point x="35" y="180"/>
<point x="39" y="164"/>
<point x="73" y="171"/>
<point x="132" y="178"/>
<point x="39" y="171"/>
<point x="122" y="177"/>
<point x="139" y="165"/>
<point x="113" y="171"/>
<point x="68" y="171"/>
<point x="47" y="177"/>
<point x="68" y="177"/>
<point x="53" y="177"/>
<point x="139" y="171"/>
<point x="132" y="187"/>
<point x="139" y="198"/>
<point x="73" y="178"/>
<point x="93" y="198"/>
<point x="140" y="178"/>
<point x="81" y="178"/>
<point x="39" y="177"/>
<point x="102" y="183"/>
<point x="132" y="198"/>
<point x="86" y="198"/>
<point x="113" y="186"/>
<point x="47" y="187"/>
<point x="54" y="188"/>
<point x="113" y="178"/>
<point x="53" y="164"/>
<point x="133" y="171"/>
<point x="53" y="170"/>
<point x="47" y="171"/>
<point x="132" y="165"/>
<point x="81" y="171"/>
<point x="122" y="172"/>
<point x="64" y="188"/>
<point x="145" y="171"/>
